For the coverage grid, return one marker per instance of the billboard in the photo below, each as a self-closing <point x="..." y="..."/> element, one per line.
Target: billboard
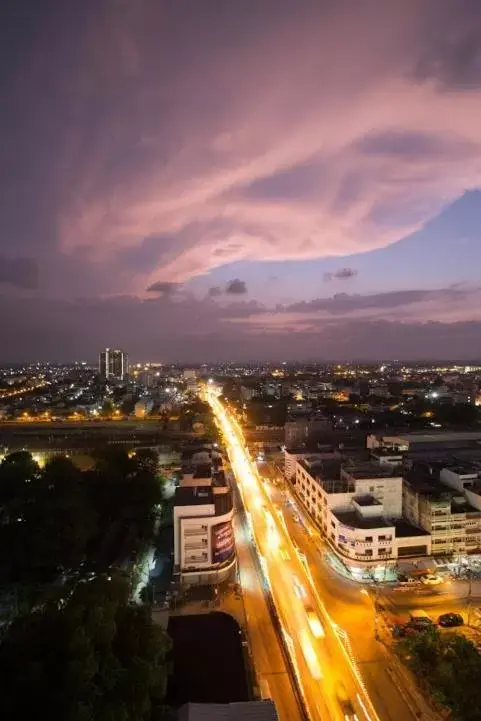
<point x="223" y="543"/>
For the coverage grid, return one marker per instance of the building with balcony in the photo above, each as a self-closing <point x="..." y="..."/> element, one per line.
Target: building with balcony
<point x="447" y="504"/>
<point x="360" y="511"/>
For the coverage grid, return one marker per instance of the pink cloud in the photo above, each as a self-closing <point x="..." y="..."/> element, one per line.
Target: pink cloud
<point x="292" y="143"/>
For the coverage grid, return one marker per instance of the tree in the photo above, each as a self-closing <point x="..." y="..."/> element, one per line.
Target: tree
<point x="450" y="667"/>
<point x="94" y="656"/>
<point x="18" y="471"/>
<point x="147" y="460"/>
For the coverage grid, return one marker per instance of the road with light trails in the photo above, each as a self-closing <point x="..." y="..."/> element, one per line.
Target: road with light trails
<point x="328" y="678"/>
<point x="354" y="612"/>
<point x="269" y="662"/>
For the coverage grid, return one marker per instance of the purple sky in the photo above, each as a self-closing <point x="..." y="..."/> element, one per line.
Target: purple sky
<point x="202" y="180"/>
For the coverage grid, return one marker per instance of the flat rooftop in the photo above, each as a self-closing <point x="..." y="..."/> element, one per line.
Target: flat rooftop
<point x="439" y="437"/>
<point x="403" y="529"/>
<point x="203" y="470"/>
<point x="353" y="519"/>
<point x="366" y="500"/>
<point x="193" y="496"/>
<point x="366" y="469"/>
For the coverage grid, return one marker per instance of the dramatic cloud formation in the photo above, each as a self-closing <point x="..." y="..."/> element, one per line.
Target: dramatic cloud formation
<point x="19" y="272"/>
<point x="341" y="274"/>
<point x="250" y="133"/>
<point x="344" y="326"/>
<point x="148" y="144"/>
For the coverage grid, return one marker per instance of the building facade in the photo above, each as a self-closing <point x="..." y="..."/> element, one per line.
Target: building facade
<point x="113" y="364"/>
<point x="360" y="513"/>
<point x="447" y="506"/>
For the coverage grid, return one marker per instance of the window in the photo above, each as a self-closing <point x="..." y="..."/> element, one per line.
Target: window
<point x="371" y="489"/>
<point x="381" y="538"/>
<point x="368" y="539"/>
<point x="333" y="525"/>
<point x="368" y="552"/>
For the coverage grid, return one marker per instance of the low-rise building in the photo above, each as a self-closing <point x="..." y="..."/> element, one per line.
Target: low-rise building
<point x="360" y="512"/>
<point x="447" y="505"/>
<point x="204" y="546"/>
<point x="325" y="454"/>
<point x="300" y="429"/>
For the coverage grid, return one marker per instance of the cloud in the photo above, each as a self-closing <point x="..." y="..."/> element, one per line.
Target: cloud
<point x="446" y="305"/>
<point x="341" y="274"/>
<point x="215" y="291"/>
<point x="319" y="157"/>
<point x="236" y="287"/>
<point x="19" y="272"/>
<point x="164" y="288"/>
<point x="150" y="329"/>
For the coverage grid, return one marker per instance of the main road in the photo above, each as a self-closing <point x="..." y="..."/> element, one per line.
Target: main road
<point x="327" y="674"/>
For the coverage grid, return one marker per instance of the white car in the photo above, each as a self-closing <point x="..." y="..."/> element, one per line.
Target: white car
<point x="315" y="625"/>
<point x="431" y="580"/>
<point x="299" y="589"/>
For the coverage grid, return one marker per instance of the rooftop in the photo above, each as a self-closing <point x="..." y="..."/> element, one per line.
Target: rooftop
<point x="203" y="470"/>
<point x="403" y="529"/>
<point x="366" y="500"/>
<point x="353" y="519"/>
<point x="223" y="503"/>
<point x="438" y="437"/>
<point x="366" y="469"/>
<point x="193" y="496"/>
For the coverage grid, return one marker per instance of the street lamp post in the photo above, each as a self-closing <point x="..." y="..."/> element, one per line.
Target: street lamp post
<point x="470" y="579"/>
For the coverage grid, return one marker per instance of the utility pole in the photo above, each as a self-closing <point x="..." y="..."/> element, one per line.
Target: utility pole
<point x="470" y="579"/>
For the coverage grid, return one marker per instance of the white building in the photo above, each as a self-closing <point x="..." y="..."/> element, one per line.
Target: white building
<point x="360" y="513"/>
<point x="190" y="374"/>
<point x="204" y="546"/>
<point x="291" y="457"/>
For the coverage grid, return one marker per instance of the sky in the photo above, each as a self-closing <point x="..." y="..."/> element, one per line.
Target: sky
<point x="210" y="180"/>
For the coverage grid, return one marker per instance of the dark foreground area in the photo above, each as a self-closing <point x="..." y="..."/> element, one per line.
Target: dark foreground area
<point x="208" y="662"/>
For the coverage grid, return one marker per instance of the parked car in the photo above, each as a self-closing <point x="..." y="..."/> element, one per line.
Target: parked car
<point x="419" y="620"/>
<point x="431" y="580"/>
<point x="450" y="620"/>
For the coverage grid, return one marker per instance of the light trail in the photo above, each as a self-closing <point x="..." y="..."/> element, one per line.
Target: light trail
<point x="320" y="655"/>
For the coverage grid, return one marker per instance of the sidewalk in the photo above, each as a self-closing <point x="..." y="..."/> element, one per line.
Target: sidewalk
<point x="403" y="676"/>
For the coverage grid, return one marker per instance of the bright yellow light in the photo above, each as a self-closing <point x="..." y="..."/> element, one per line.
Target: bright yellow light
<point x="310" y="656"/>
<point x="315" y="624"/>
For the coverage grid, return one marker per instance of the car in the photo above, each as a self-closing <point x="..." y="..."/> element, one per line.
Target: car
<point x="299" y="589"/>
<point x="450" y="620"/>
<point x="408" y="580"/>
<point x="419" y="620"/>
<point x="284" y="554"/>
<point x="431" y="580"/>
<point x="315" y="625"/>
<point x="345" y="704"/>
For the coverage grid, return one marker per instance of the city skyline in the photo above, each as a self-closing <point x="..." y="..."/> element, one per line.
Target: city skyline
<point x="195" y="182"/>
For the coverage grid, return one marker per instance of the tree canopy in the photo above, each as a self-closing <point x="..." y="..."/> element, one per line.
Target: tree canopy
<point x="56" y="518"/>
<point x="450" y="667"/>
<point x="91" y="656"/>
